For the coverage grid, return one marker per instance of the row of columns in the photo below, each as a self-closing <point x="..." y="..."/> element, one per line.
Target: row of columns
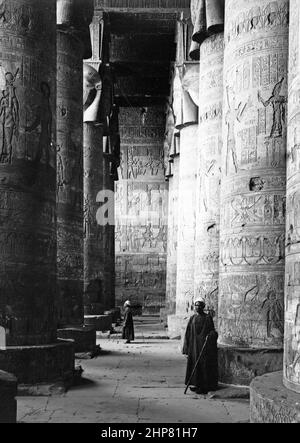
<point x="247" y="136"/>
<point x="50" y="179"/>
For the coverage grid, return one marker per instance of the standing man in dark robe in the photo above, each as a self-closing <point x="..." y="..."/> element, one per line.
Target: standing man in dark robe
<point x="128" y="328"/>
<point x="201" y="330"/>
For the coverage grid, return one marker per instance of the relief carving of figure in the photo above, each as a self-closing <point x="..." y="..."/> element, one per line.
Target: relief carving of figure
<point x="92" y="91"/>
<point x="43" y="119"/>
<point x="277" y="102"/>
<point x="233" y="115"/>
<point x="3" y="11"/>
<point x="87" y="217"/>
<point x="148" y="236"/>
<point x="295" y="366"/>
<point x="9" y="115"/>
<point x="273" y="310"/>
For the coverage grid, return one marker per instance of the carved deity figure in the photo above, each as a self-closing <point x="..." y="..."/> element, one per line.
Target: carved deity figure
<point x="3" y="11"/>
<point x="87" y="217"/>
<point x="9" y="115"/>
<point x="43" y="119"/>
<point x="273" y="309"/>
<point x="295" y="345"/>
<point x="92" y="90"/>
<point x="148" y="236"/>
<point x="233" y="115"/>
<point x="277" y="102"/>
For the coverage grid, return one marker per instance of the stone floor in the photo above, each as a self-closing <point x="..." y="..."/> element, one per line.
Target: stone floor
<point x="141" y="382"/>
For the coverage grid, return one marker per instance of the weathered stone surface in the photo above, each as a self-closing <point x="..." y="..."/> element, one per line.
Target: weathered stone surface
<point x="108" y="232"/>
<point x="206" y="275"/>
<point x="239" y="366"/>
<point x="69" y="179"/>
<point x="28" y="172"/>
<point x="93" y="241"/>
<point x="99" y="322"/>
<point x="141" y="210"/>
<point x="39" y="364"/>
<point x="186" y="222"/>
<point x="171" y="279"/>
<point x="208" y="18"/>
<point x="291" y="369"/>
<point x="253" y="174"/>
<point x="271" y="402"/>
<point x="8" y="392"/>
<point x="84" y="338"/>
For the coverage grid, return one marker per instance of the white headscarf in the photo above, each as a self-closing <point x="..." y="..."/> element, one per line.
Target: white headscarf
<point x="127" y="303"/>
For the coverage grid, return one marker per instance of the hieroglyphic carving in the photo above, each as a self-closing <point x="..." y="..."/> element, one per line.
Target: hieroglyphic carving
<point x="291" y="367"/>
<point x="93" y="240"/>
<point x="9" y="115"/>
<point x="209" y="172"/>
<point x="253" y="173"/>
<point x="186" y="220"/>
<point x="27" y="188"/>
<point x="141" y="208"/>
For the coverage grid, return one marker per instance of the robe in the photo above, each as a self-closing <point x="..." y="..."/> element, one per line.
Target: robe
<point x="205" y="377"/>
<point x="128" y="329"/>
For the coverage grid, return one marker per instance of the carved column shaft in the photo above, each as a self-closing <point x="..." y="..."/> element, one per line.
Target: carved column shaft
<point x="209" y="171"/>
<point x="186" y="220"/>
<point x="292" y="283"/>
<point x="28" y="171"/>
<point x="108" y="242"/>
<point x="70" y="51"/>
<point x="93" y="240"/>
<point x="253" y="174"/>
<point x="172" y="238"/>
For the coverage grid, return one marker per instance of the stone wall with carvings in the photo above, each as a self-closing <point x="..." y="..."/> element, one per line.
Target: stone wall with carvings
<point x="141" y="210"/>
<point x="253" y="173"/>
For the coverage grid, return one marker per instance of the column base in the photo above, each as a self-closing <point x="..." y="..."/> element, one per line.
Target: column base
<point x="115" y="314"/>
<point x="8" y="393"/>
<point x="101" y="323"/>
<point x="45" y="365"/>
<point x="239" y="366"/>
<point x="176" y="326"/>
<point x="271" y="402"/>
<point x="84" y="338"/>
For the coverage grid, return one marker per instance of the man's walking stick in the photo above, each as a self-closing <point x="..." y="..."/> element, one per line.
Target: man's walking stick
<point x="197" y="362"/>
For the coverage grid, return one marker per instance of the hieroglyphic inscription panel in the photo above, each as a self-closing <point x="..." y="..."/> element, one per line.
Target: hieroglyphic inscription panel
<point x="253" y="173"/>
<point x="141" y="198"/>
<point x="209" y="171"/>
<point x="292" y="282"/>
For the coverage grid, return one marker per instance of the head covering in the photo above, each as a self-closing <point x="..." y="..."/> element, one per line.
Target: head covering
<point x="199" y="301"/>
<point x="127" y="303"/>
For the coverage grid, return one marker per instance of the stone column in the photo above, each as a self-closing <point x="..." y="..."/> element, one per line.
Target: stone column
<point x="93" y="239"/>
<point x="8" y="393"/>
<point x="28" y="190"/>
<point x="209" y="172"/>
<point x="292" y="283"/>
<point x="253" y="189"/>
<point x="186" y="230"/>
<point x="70" y="52"/>
<point x="172" y="238"/>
